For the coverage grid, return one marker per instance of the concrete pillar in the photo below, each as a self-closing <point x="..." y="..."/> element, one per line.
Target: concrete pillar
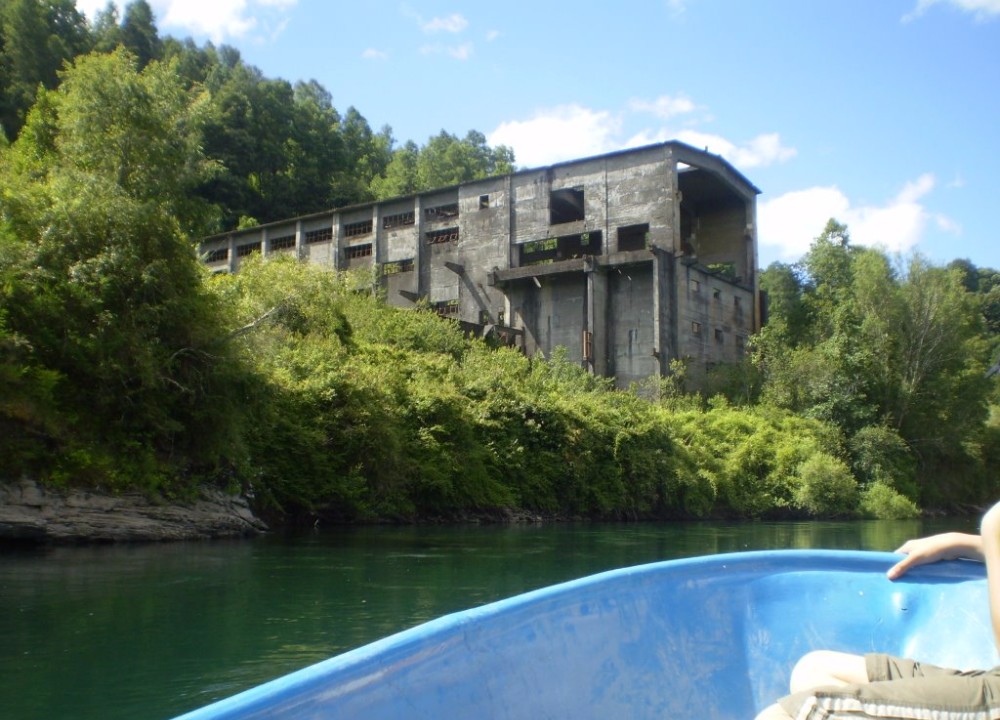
<point x="664" y="308"/>
<point x="336" y="251"/>
<point x="597" y="321"/>
<point x="377" y="234"/>
<point x="418" y="250"/>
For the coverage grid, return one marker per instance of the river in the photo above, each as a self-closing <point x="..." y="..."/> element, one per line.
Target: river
<point x="151" y="631"/>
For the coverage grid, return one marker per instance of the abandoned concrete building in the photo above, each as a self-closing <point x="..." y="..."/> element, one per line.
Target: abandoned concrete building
<point x="629" y="260"/>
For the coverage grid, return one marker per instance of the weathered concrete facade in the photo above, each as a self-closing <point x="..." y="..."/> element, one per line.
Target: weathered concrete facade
<point x="628" y="260"/>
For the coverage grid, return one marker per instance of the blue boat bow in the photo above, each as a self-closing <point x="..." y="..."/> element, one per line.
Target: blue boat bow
<point x="709" y="638"/>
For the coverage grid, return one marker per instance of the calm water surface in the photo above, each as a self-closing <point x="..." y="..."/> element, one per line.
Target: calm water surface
<point x="153" y="631"/>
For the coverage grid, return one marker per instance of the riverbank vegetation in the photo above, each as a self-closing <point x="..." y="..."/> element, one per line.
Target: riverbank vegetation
<point x="124" y="365"/>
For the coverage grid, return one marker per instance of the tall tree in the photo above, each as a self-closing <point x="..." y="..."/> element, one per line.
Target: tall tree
<point x="316" y="150"/>
<point x="899" y="349"/>
<point x="106" y="29"/>
<point x="100" y="278"/>
<point x="36" y="38"/>
<point x="139" y="33"/>
<point x="446" y="160"/>
<point x="402" y="175"/>
<point x="367" y="155"/>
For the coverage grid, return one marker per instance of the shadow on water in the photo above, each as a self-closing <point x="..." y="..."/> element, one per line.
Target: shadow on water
<point x="152" y="631"/>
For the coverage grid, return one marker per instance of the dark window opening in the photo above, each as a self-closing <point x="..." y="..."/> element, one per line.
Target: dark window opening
<point x="565" y="205"/>
<point x="442" y="212"/>
<point x="717" y="293"/>
<point x="447" y="308"/>
<point x="567" y="247"/>
<point x="217" y="255"/>
<point x="358" y="228"/>
<point x="358" y="251"/>
<point x="725" y="269"/>
<point x="718" y="335"/>
<point x="398" y="220"/>
<point x="400" y="266"/>
<point x="285" y="242"/>
<point x="484" y="202"/>
<point x="321" y="235"/>
<point x="247" y="249"/>
<point x="436" y="237"/>
<point x="633" y="237"/>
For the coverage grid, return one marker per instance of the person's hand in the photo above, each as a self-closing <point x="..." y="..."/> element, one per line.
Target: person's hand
<point x="946" y="546"/>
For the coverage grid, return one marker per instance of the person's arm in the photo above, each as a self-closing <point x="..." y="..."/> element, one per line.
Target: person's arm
<point x="990" y="533"/>
<point x="946" y="546"/>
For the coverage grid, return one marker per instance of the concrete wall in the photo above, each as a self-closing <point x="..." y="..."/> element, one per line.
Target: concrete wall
<point x="631" y="336"/>
<point x="715" y="316"/>
<point x="484" y="222"/>
<point x="553" y="315"/>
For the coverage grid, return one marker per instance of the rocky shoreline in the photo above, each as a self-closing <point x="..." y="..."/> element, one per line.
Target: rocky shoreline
<point x="31" y="513"/>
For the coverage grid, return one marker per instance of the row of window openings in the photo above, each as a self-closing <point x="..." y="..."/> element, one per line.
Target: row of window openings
<point x="433" y="237"/>
<point x="720" y="335"/>
<point x="565" y="205"/>
<point x="633" y="237"/>
<point x="447" y="308"/>
<point x="288" y="242"/>
<point x="403" y="219"/>
<point x="695" y="286"/>
<point x="351" y="252"/>
<point x="567" y="247"/>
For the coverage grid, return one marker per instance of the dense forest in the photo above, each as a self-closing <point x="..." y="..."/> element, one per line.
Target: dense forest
<point x="124" y="364"/>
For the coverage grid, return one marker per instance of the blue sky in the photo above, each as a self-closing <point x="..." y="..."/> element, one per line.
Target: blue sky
<point x="885" y="115"/>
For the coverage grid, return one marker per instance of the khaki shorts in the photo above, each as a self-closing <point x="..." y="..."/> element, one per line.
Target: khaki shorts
<point x="901" y="689"/>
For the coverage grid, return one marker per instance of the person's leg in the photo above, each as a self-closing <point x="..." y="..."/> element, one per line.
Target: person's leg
<point x="820" y="668"/>
<point x="891" y="687"/>
<point x="828" y="668"/>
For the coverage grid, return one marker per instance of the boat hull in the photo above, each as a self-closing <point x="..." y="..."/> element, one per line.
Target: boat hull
<point x="712" y="637"/>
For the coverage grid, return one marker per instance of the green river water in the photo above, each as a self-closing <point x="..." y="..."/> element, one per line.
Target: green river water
<point x="151" y="631"/>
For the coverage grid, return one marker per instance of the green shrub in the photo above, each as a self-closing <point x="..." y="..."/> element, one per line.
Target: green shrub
<point x="826" y="486"/>
<point x="878" y="453"/>
<point x="883" y="502"/>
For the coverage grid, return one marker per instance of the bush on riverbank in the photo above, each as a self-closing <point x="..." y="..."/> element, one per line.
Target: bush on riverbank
<point x="368" y="412"/>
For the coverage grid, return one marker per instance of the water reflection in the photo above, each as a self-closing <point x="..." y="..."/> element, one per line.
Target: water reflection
<point x="152" y="631"/>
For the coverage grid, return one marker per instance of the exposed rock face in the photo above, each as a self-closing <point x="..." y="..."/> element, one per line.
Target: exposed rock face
<point x="33" y="513"/>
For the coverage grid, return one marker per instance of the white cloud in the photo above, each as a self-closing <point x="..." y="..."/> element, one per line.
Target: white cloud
<point x="90" y="8"/>
<point x="492" y="35"/>
<point x="791" y="222"/>
<point x="560" y="133"/>
<point x="760" y="151"/>
<point x="454" y="23"/>
<point x="981" y="10"/>
<point x="573" y="131"/>
<point x="217" y="20"/>
<point x="374" y="54"/>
